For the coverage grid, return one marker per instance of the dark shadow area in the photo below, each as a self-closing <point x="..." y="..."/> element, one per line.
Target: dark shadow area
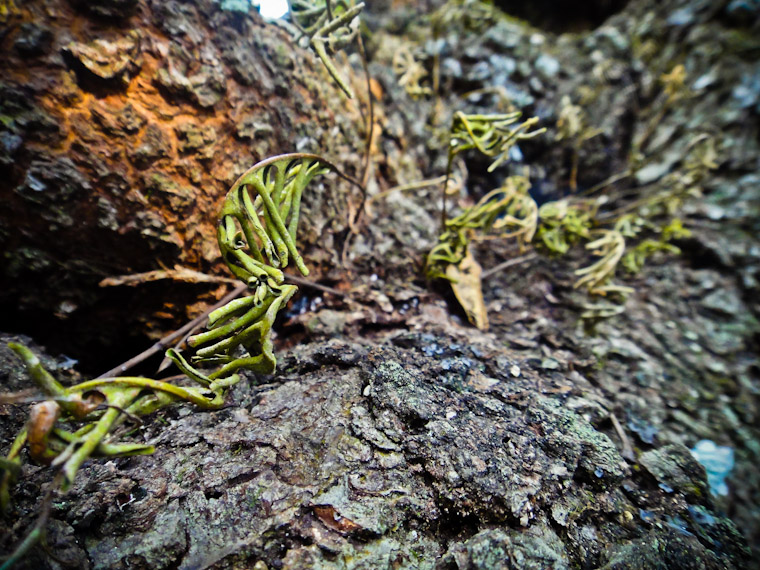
<point x="561" y="16"/>
<point x="107" y="332"/>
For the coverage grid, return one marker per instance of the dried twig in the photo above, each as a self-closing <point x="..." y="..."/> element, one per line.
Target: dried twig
<point x="177" y="274"/>
<point x="507" y="264"/>
<point x="168" y="339"/>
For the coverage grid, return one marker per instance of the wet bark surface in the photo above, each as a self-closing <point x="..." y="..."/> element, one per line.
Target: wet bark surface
<point x="393" y="434"/>
<point x="429" y="450"/>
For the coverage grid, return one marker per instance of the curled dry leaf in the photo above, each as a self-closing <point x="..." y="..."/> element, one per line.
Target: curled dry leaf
<point x="465" y="281"/>
<point x="333" y="520"/>
<point x="42" y="418"/>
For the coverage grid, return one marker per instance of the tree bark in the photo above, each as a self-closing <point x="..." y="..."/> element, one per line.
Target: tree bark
<point x="393" y="434"/>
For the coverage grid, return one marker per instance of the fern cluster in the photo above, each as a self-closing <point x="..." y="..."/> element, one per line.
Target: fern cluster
<point x="510" y="211"/>
<point x="506" y="212"/>
<point x="256" y="235"/>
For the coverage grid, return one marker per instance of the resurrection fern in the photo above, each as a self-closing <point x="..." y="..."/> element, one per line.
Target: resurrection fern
<point x="492" y="135"/>
<point x="73" y="423"/>
<point x="674" y="88"/>
<point x="573" y="125"/>
<point x="635" y="258"/>
<point x="508" y="211"/>
<point x="565" y="222"/>
<point x="597" y="277"/>
<point x="329" y="25"/>
<point x="410" y="73"/>
<point x="511" y="212"/>
<point x="256" y="235"/>
<point x="470" y="15"/>
<point x="686" y="182"/>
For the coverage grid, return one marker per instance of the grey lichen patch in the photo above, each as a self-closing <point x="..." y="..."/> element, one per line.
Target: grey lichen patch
<point x="595" y="452"/>
<point x="155" y="144"/>
<point x="109" y="61"/>
<point x="53" y="184"/>
<point x="333" y="467"/>
<point x="33" y="39"/>
<point x="571" y="506"/>
<point x="108" y="214"/>
<point x="674" y="465"/>
<point x="537" y="548"/>
<point x="152" y="225"/>
<point x="363" y="424"/>
<point x="254" y="127"/>
<point x="162" y="188"/>
<point x="122" y="121"/>
<point x="402" y="551"/>
<point x="373" y="515"/>
<point x="197" y="139"/>
<point x="670" y="547"/>
<point x="398" y="388"/>
<point x="164" y="540"/>
<point x="247" y="66"/>
<point x="110" y="9"/>
<point x="484" y="455"/>
<point x="26" y="259"/>
<point x="201" y="80"/>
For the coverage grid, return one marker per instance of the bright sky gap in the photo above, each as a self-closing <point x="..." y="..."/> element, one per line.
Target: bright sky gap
<point x="273" y="9"/>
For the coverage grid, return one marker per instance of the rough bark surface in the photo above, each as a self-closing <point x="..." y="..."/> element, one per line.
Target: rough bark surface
<point x="123" y="128"/>
<point x="393" y="434"/>
<point x="428" y="451"/>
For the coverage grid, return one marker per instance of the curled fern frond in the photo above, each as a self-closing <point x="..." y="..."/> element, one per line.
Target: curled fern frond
<point x="256" y="234"/>
<point x="492" y="135"/>
<point x="259" y="218"/>
<point x="597" y="277"/>
<point x="329" y="25"/>
<point x="573" y="123"/>
<point x="564" y="222"/>
<point x="505" y="212"/>
<point x="410" y="73"/>
<point x="636" y="257"/>
<point x="96" y="408"/>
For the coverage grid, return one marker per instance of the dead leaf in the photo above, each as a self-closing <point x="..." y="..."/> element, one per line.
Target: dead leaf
<point x="465" y="281"/>
<point x="332" y="519"/>
<point x="42" y="418"/>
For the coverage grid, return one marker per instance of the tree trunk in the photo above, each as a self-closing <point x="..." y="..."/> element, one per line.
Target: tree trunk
<point x="394" y="434"/>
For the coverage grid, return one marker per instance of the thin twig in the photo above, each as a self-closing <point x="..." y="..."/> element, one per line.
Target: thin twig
<point x="406" y="187"/>
<point x="627" y="451"/>
<point x="176" y="274"/>
<point x="604" y="183"/>
<point x="301" y="282"/>
<point x="22" y="396"/>
<point x="164" y="342"/>
<point x="371" y="105"/>
<point x="508" y="263"/>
